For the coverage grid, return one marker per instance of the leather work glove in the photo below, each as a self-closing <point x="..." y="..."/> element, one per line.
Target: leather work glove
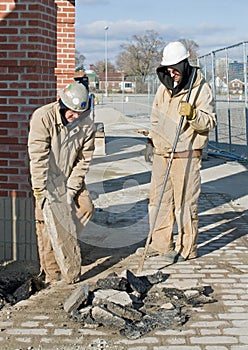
<point x="40" y="197"/>
<point x="149" y="150"/>
<point x="70" y="195"/>
<point x="187" y="110"/>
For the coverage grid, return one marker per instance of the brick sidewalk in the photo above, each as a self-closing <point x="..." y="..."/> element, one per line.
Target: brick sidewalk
<point x="41" y="322"/>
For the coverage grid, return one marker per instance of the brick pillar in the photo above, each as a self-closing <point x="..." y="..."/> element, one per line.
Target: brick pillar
<point x="37" y="56"/>
<point x="65" y="42"/>
<point x="27" y="62"/>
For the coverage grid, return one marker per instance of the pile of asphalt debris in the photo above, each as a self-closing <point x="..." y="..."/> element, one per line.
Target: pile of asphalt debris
<point x="134" y="305"/>
<point x="18" y="281"/>
<point x="15" y="293"/>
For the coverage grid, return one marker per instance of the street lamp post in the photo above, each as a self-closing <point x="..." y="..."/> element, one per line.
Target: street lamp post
<point x="106" y="60"/>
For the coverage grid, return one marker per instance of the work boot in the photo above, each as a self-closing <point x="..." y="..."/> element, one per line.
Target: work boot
<point x="52" y="279"/>
<point x="41" y="276"/>
<point x="192" y="255"/>
<point x="179" y="258"/>
<point x="39" y="281"/>
<point x="170" y="256"/>
<point x="150" y="252"/>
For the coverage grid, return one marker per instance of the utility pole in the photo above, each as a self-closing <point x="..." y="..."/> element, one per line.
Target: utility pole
<point x="106" y="60"/>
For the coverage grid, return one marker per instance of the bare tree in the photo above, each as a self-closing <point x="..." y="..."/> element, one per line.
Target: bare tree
<point x="192" y="47"/>
<point x="142" y="55"/>
<point x="79" y="61"/>
<point x="100" y="67"/>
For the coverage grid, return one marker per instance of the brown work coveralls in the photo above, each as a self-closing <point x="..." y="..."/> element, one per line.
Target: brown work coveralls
<point x="179" y="201"/>
<point x="59" y="158"/>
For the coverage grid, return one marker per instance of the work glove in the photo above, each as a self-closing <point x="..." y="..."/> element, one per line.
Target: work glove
<point x="149" y="151"/>
<point x="187" y="110"/>
<point x="40" y="197"/>
<point x="70" y="195"/>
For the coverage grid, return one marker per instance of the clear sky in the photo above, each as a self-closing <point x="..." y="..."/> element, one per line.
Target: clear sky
<point x="212" y="24"/>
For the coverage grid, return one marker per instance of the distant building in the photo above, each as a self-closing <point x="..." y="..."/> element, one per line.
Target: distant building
<point x="93" y="78"/>
<point x="127" y="86"/>
<point x="116" y="82"/>
<point x="236" y="70"/>
<point x="88" y="77"/>
<point x="220" y="86"/>
<point x="236" y="86"/>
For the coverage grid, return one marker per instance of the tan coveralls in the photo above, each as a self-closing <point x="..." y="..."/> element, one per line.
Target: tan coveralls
<point x="59" y="152"/>
<point x="182" y="191"/>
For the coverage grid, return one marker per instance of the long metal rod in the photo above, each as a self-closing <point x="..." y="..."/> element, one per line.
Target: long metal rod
<point x="106" y="60"/>
<point x="246" y="89"/>
<point x="228" y="47"/>
<point x="142" y="260"/>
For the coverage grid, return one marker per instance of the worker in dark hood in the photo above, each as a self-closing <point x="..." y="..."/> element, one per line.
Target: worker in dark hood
<point x="179" y="200"/>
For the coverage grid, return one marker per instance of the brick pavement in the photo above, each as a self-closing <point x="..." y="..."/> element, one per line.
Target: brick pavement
<point x="41" y="323"/>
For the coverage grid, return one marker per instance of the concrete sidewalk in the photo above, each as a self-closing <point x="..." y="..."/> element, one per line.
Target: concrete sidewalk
<point x="119" y="184"/>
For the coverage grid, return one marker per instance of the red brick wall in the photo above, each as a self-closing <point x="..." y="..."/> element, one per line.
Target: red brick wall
<point x="37" y="56"/>
<point x="65" y="69"/>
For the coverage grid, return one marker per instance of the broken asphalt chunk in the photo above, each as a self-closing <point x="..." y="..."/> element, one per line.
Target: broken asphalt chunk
<point x="76" y="298"/>
<point x="101" y="297"/>
<point x="124" y="311"/>
<point x="103" y="316"/>
<point x="112" y="281"/>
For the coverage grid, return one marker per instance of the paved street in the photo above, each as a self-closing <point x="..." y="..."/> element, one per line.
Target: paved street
<point x="119" y="184"/>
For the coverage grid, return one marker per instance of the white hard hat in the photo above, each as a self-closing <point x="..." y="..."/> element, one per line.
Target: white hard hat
<point x="174" y="53"/>
<point x="75" y="96"/>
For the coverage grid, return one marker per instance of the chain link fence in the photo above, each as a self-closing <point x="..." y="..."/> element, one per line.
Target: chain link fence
<point x="226" y="72"/>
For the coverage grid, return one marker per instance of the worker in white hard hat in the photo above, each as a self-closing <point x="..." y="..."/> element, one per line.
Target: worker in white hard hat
<point x="60" y="147"/>
<point x="180" y="198"/>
